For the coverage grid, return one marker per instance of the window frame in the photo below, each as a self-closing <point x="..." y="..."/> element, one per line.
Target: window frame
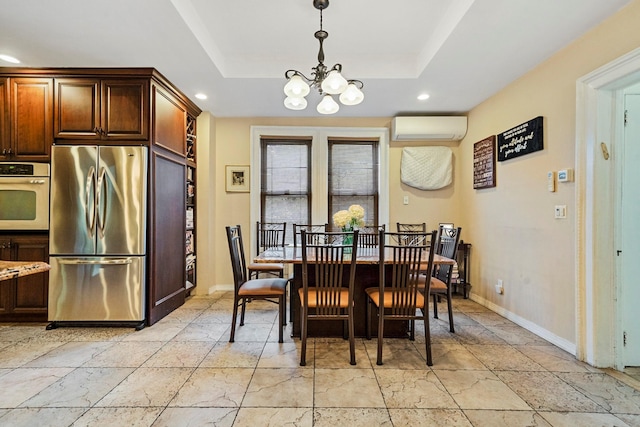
<point x="375" y="157"/>
<point x="319" y="174"/>
<point x="265" y="142"/>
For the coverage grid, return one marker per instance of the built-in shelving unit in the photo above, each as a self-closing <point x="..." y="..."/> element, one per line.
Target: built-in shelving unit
<point x="190" y="230"/>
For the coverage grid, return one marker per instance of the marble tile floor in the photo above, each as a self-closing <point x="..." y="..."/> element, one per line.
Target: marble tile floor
<point x="182" y="371"/>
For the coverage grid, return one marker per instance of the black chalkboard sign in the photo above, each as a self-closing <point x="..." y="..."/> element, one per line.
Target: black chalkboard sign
<point x="484" y="163"/>
<point x="520" y="140"/>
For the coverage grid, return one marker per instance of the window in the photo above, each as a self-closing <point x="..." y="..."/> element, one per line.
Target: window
<point x="276" y="197"/>
<point x="353" y="177"/>
<point x="285" y="182"/>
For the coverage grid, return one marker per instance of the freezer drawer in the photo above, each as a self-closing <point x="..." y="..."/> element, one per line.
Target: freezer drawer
<point x="101" y="289"/>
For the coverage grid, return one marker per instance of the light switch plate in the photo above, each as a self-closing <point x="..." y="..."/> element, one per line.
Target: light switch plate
<point x="560" y="211"/>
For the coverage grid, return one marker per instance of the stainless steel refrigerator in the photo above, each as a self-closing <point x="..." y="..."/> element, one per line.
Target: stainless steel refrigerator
<point x="97" y="234"/>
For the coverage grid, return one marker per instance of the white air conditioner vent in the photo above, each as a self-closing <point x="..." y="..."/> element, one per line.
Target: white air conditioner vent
<point x="429" y="128"/>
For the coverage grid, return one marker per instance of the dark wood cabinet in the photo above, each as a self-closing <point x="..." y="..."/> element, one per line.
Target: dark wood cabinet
<point x="167" y="219"/>
<point x="169" y="122"/>
<point x="4" y="115"/>
<point x="111" y="106"/>
<point x="26" y="118"/>
<point x="24" y="298"/>
<point x="101" y="109"/>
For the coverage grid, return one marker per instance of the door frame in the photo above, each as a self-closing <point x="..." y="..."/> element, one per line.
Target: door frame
<point x="598" y="107"/>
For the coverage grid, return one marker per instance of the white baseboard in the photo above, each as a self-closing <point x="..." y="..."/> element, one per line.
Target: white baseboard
<point x="528" y="325"/>
<point x="220" y="288"/>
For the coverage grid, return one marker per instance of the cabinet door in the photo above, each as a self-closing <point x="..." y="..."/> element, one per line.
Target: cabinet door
<point x="4" y="117"/>
<point x="31" y="292"/>
<point x="31" y="118"/>
<point x="167" y="280"/>
<point x="169" y="122"/>
<point x="77" y="108"/>
<point x="125" y="109"/>
<point x="7" y="288"/>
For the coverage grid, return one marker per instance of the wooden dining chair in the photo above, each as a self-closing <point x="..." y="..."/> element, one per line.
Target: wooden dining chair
<point x="411" y="228"/>
<point x="245" y="290"/>
<point x="309" y="228"/>
<point x="268" y="235"/>
<point x="447" y="246"/>
<point x="327" y="286"/>
<point x="369" y="236"/>
<point x="398" y="295"/>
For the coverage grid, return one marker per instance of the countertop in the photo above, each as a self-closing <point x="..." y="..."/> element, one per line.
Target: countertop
<point x="13" y="269"/>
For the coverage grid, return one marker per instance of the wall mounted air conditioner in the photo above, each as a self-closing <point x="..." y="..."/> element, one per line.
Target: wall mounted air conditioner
<point x="442" y="128"/>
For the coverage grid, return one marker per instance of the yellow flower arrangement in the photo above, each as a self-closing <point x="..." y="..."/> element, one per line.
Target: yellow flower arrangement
<point x="349" y="219"/>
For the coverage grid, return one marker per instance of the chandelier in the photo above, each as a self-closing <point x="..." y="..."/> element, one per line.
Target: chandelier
<point x="328" y="81"/>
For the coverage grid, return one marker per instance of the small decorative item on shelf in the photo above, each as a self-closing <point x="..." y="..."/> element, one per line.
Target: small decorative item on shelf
<point x="349" y="220"/>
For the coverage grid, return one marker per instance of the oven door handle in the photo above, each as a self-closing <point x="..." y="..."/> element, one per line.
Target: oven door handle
<point x="23" y="181"/>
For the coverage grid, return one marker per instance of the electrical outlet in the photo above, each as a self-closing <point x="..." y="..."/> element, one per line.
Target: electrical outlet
<point x="405" y="200"/>
<point x="499" y="287"/>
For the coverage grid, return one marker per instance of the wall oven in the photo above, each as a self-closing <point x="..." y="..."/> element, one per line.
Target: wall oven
<point x="24" y="196"/>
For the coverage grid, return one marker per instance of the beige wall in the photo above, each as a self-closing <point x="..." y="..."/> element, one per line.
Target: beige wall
<point x="231" y="145"/>
<point x="512" y="228"/>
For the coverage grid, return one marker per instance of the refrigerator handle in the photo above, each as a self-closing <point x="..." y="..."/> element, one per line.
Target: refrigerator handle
<point x="77" y="261"/>
<point x="101" y="205"/>
<point x="90" y="203"/>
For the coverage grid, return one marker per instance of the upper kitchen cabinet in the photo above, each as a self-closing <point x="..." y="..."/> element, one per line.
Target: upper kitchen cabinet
<point x="101" y="109"/>
<point x="169" y="122"/>
<point x="26" y="112"/>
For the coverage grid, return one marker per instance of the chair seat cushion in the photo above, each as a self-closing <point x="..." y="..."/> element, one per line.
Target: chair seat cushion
<point x="315" y="295"/>
<point x="263" y="266"/>
<point x="263" y="287"/>
<point x="374" y="294"/>
<point x="438" y="285"/>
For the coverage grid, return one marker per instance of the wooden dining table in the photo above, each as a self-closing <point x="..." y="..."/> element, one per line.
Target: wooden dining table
<point x="367" y="274"/>
<point x="14" y="269"/>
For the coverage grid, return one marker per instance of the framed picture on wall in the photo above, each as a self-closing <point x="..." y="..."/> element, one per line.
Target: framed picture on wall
<point x="484" y="163"/>
<point x="237" y="179"/>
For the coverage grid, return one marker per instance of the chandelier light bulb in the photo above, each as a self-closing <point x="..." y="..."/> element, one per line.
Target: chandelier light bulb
<point x="295" y="103"/>
<point x="352" y="95"/>
<point x="334" y="83"/>
<point x="296" y="87"/>
<point x="328" y="105"/>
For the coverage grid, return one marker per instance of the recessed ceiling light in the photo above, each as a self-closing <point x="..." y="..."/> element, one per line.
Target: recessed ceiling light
<point x="201" y="96"/>
<point x="8" y="58"/>
<point x="423" y="96"/>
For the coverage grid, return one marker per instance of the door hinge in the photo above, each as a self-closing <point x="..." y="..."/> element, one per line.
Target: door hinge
<point x="625" y="117"/>
<point x="624" y="338"/>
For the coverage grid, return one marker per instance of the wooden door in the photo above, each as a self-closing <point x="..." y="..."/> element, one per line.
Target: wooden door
<point x="167" y="281"/>
<point x="125" y="109"/>
<point x="629" y="248"/>
<point x="31" y="108"/>
<point x="77" y="108"/>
